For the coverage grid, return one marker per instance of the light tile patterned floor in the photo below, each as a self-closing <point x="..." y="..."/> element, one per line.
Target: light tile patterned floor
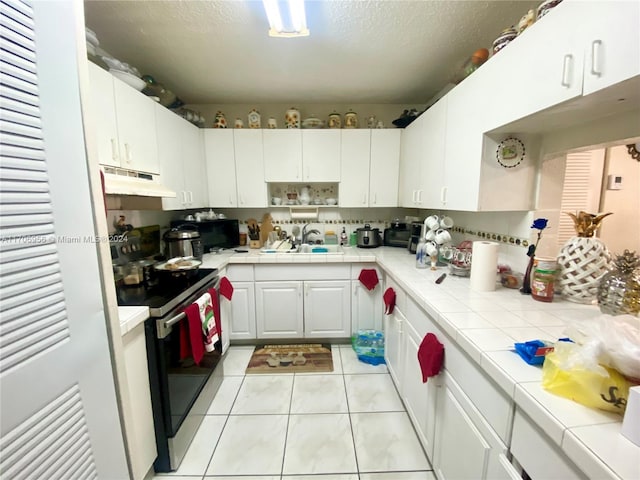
<point x="310" y="426"/>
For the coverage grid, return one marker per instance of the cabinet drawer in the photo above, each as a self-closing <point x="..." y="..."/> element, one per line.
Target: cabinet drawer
<point x="301" y="272"/>
<point x="539" y="456"/>
<point x="240" y="273"/>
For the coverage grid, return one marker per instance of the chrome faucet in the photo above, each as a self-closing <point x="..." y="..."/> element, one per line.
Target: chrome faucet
<point x="306" y="234"/>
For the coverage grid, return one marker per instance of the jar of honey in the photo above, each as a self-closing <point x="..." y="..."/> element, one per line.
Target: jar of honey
<point x="543" y="279"/>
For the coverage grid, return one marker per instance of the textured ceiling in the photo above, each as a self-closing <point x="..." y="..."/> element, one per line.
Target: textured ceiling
<point x="359" y="51"/>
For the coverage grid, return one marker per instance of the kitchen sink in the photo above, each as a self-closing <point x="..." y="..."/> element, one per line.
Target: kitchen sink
<point x="306" y="249"/>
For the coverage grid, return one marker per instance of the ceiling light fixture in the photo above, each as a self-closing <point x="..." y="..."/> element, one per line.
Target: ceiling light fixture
<point x="286" y="18"/>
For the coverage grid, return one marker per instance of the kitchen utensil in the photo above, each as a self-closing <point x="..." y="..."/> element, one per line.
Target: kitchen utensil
<point x="183" y="241"/>
<point x="254" y="229"/>
<point x="368" y="237"/>
<point x="441" y="278"/>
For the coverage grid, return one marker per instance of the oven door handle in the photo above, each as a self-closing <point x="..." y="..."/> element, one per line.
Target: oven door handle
<point x="164" y="326"/>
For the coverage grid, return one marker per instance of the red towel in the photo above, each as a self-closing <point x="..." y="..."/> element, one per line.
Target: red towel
<point x="195" y="345"/>
<point x="430" y="356"/>
<point x="369" y="278"/>
<point x="389" y="298"/>
<point x="226" y="289"/>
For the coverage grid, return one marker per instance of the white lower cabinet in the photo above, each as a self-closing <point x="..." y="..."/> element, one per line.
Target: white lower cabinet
<point x="296" y="309"/>
<point x="393" y="346"/>
<point x="465" y="446"/>
<point x="327" y="309"/>
<point x="529" y="445"/>
<point x="241" y="312"/>
<point x="366" y="305"/>
<point x="419" y="398"/>
<point x="279" y="309"/>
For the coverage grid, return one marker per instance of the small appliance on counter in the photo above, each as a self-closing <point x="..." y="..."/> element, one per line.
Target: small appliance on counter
<point x="397" y="235"/>
<point x="415" y="232"/>
<point x="183" y="241"/>
<point x="214" y="234"/>
<point x="368" y="237"/>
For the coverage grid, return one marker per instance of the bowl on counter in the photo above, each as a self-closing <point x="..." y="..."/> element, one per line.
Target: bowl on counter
<point x="331" y="201"/>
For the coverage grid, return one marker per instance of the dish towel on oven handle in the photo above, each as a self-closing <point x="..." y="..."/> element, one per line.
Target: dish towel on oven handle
<point x="191" y="340"/>
<point x="215" y="302"/>
<point x="208" y="320"/>
<point x="226" y="289"/>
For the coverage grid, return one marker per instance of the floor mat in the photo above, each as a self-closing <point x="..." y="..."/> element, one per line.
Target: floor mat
<point x="310" y="357"/>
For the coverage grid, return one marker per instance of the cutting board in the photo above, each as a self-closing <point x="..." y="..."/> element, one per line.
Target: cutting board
<point x="266" y="227"/>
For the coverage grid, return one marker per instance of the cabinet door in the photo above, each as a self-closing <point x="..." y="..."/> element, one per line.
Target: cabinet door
<point x="136" y="129"/>
<point x="410" y="158"/>
<point x="242" y="312"/>
<point x="366" y="307"/>
<point x="282" y="155"/>
<point x="171" y="131"/>
<point x="221" y="167"/>
<point x="432" y="166"/>
<point x="252" y="189"/>
<point x="456" y="434"/>
<point x="613" y="46"/>
<point x="394" y="345"/>
<point x="104" y="115"/>
<point x="195" y="176"/>
<point x="385" y="168"/>
<point x="419" y="398"/>
<point x="539" y="69"/>
<point x="354" y="177"/>
<point x="279" y="311"/>
<point x="327" y="309"/>
<point x="321" y="155"/>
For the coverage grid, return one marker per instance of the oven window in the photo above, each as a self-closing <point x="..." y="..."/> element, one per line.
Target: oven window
<point x="182" y="380"/>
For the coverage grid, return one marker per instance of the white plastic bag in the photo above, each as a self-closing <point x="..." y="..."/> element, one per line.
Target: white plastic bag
<point x="613" y="340"/>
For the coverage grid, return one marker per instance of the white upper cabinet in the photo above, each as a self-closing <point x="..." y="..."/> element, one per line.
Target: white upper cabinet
<point x="302" y="155"/>
<point x="221" y="167"/>
<point x="321" y="155"/>
<point x="384" y="167"/>
<point x="354" y="183"/>
<point x="250" y="170"/>
<point x="283" y="155"/>
<point x="432" y="165"/>
<point x="104" y="115"/>
<point x="411" y="146"/>
<point x="612" y="42"/>
<point x="135" y="113"/>
<point x="182" y="164"/>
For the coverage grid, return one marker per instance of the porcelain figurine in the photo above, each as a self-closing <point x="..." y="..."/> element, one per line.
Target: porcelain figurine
<point x="350" y="119"/>
<point x="238" y="123"/>
<point x="371" y="121"/>
<point x="220" y="121"/>
<point x="254" y="119"/>
<point x="272" y="123"/>
<point x="292" y="118"/>
<point x="526" y="21"/>
<point x="335" y="121"/>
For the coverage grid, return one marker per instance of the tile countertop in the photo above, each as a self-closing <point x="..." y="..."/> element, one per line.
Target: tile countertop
<point x="131" y="317"/>
<point x="486" y="325"/>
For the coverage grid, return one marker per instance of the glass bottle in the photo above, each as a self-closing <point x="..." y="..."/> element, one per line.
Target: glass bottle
<point x="422" y="257"/>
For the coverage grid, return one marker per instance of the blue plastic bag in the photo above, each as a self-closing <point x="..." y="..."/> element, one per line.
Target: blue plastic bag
<point x="369" y="346"/>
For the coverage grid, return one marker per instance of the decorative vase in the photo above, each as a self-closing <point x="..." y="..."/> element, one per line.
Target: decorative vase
<point x="619" y="289"/>
<point x="292" y="118"/>
<point x="350" y="119"/>
<point x="334" y="120"/>
<point x="583" y="260"/>
<point x="526" y="281"/>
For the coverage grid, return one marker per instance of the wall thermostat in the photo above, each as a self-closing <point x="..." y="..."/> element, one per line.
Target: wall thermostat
<point x="614" y="182"/>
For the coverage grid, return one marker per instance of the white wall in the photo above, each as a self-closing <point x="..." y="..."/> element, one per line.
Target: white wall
<point x="621" y="230"/>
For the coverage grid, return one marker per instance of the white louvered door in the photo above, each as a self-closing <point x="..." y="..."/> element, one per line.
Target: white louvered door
<point x="59" y="417"/>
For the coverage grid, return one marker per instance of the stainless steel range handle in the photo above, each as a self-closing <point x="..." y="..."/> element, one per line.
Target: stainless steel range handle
<point x="164" y="326"/>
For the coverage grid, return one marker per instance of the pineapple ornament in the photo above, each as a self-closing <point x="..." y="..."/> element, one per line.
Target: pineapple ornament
<point x="583" y="260"/>
<point x="619" y="289"/>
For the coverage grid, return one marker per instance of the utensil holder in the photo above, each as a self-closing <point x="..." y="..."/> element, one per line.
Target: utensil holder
<point x="255" y="244"/>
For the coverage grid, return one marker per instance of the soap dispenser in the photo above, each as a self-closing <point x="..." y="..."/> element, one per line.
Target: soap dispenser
<point x="343" y="237"/>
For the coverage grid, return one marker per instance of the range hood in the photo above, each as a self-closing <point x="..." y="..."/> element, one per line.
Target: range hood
<point x="118" y="181"/>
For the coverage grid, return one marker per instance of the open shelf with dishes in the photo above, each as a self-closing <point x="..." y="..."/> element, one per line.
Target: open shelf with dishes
<point x="303" y="194"/>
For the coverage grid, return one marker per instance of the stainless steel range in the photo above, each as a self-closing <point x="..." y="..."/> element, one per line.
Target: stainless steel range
<point x="181" y="390"/>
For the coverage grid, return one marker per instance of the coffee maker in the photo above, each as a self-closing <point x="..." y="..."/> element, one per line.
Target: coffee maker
<point x="416" y="233"/>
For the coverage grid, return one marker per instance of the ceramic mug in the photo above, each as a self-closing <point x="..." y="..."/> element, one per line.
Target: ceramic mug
<point x="446" y="222"/>
<point x="433" y="222"/>
<point x="442" y="236"/>
<point x="430" y="235"/>
<point x="431" y="248"/>
<point x="447" y="252"/>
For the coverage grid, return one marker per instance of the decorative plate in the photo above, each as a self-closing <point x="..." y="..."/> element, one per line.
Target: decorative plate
<point x="510" y="152"/>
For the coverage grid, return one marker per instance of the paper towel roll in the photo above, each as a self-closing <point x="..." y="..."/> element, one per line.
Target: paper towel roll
<point x="484" y="265"/>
